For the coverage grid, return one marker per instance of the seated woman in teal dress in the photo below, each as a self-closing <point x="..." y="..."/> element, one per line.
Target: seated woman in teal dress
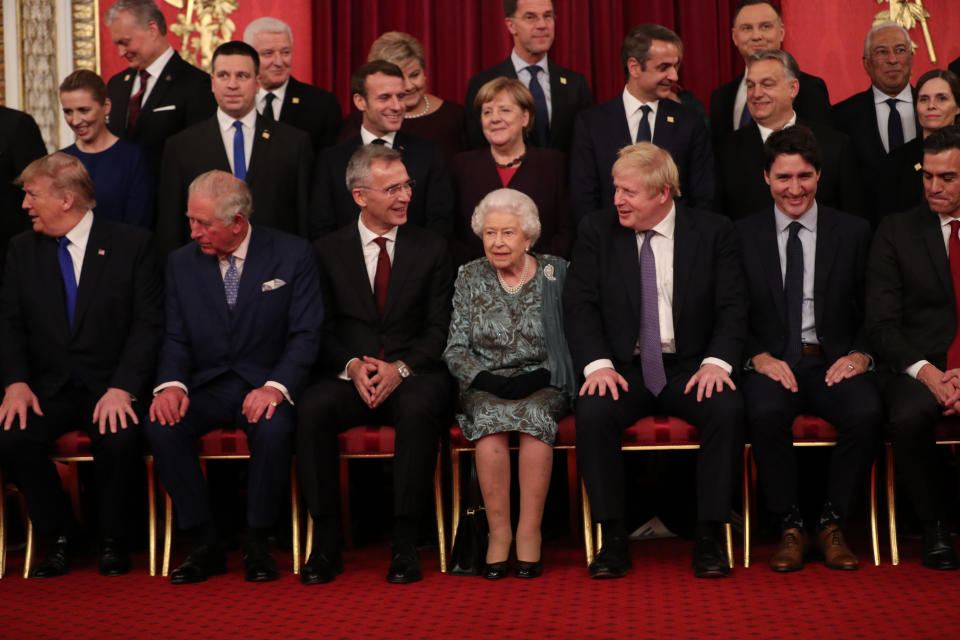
<point x="507" y="350"/>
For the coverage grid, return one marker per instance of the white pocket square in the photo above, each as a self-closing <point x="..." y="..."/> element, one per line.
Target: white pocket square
<point x="169" y="107"/>
<point x="271" y="285"/>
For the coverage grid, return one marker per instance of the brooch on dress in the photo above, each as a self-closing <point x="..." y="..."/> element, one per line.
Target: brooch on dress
<point x="548" y="272"/>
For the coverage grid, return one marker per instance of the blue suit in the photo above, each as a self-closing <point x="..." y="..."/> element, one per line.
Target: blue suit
<point x="272" y="334"/>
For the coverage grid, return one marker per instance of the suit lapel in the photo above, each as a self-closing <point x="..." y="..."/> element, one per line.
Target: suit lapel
<point x="94" y="261"/>
<point x="826" y="251"/>
<point x="159" y="88"/>
<point x="50" y="280"/>
<point x="260" y="149"/>
<point x="291" y="99"/>
<point x="769" y="252"/>
<point x="356" y="268"/>
<point x="213" y="146"/>
<point x="628" y="259"/>
<point x="666" y="122"/>
<point x="118" y="109"/>
<point x="932" y="237"/>
<point x="207" y="270"/>
<point x="254" y="266"/>
<point x="686" y="241"/>
<point x="404" y="258"/>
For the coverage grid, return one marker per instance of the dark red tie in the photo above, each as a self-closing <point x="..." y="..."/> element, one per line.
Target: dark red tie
<point x="136" y="101"/>
<point x="382" y="278"/>
<point x="953" y="353"/>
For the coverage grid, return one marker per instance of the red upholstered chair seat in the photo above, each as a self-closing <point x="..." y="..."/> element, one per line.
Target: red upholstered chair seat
<point x="947" y="429"/>
<point x="368" y="440"/>
<point x="660" y="430"/>
<point x="75" y="444"/>
<point x="813" y="429"/>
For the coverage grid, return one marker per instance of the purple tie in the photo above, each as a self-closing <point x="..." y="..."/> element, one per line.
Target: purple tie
<point x="651" y="355"/>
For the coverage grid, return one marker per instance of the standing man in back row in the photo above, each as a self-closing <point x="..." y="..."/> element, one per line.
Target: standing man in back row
<point x="559" y="93"/>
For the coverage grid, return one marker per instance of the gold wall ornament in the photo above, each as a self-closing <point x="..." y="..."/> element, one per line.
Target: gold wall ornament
<point x="86" y="35"/>
<point x="907" y="15"/>
<point x="202" y="27"/>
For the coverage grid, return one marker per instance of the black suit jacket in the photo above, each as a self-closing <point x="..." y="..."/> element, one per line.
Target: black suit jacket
<point x="278" y="175"/>
<point x="431" y="206"/>
<point x="313" y="110"/>
<point x="20" y="144"/>
<point x="857" y="117"/>
<point x="842" y="246"/>
<point x="542" y="176"/>
<point x="955" y="66"/>
<point x="742" y="189"/>
<point x="118" y="318"/>
<point x="811" y="104"/>
<point x="602" y="131"/>
<point x="569" y="94"/>
<point x="601" y="298"/>
<point x="417" y="314"/>
<point x="901" y="187"/>
<point x="911" y="315"/>
<point x="181" y="97"/>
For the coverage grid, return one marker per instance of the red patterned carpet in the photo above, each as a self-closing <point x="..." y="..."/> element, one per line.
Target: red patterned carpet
<point x="659" y="599"/>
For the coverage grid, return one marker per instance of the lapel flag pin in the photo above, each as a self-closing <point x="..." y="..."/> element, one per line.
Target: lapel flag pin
<point x="101" y="252"/>
<point x="295" y="100"/>
<point x="266" y="135"/>
<point x="917" y="167"/>
<point x="563" y="80"/>
<point x="126" y="78"/>
<point x="168" y="77"/>
<point x="669" y="118"/>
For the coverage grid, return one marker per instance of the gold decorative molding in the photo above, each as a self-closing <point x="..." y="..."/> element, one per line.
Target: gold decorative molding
<point x="3" y="61"/>
<point x="86" y="35"/>
<point x="38" y="66"/>
<point x="202" y="27"/>
<point x="907" y="15"/>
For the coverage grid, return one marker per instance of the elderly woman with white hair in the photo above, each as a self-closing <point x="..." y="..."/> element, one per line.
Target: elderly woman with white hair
<point x="507" y="350"/>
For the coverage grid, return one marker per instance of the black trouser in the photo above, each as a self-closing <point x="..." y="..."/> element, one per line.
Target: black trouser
<point x="852" y="406"/>
<point x="25" y="455"/>
<point x="217" y="405"/>
<point x="419" y="410"/>
<point x="601" y="421"/>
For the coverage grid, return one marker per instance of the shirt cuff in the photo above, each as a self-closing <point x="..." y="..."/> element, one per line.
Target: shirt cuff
<point x="914" y="369"/>
<point x="279" y="387"/>
<point x="602" y="363"/>
<point x="343" y="374"/>
<point x="718" y="362"/>
<point x="166" y="385"/>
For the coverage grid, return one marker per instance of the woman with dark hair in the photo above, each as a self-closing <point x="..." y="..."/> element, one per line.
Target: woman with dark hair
<point x="938" y="106"/>
<point x="121" y="177"/>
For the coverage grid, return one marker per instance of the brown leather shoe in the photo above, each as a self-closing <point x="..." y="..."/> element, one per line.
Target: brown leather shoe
<point x="836" y="553"/>
<point x="789" y="555"/>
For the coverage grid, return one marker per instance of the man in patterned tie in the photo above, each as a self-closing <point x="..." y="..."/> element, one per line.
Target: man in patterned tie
<point x="655" y="311"/>
<point x="243" y="328"/>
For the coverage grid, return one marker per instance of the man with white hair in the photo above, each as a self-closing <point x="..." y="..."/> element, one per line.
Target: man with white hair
<point x="883" y="117"/>
<point x="243" y="328"/>
<point x="283" y="97"/>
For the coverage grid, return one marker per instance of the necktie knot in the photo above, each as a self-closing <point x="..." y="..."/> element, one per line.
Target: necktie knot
<point x="381" y="242"/>
<point x="954" y="226"/>
<point x="534" y="70"/>
<point x="232" y="260"/>
<point x="238" y="125"/>
<point x="646" y="110"/>
<point x="892" y="102"/>
<point x="378" y="141"/>
<point x="270" y="97"/>
<point x="64" y="241"/>
<point x="794" y="228"/>
<point x="144" y="75"/>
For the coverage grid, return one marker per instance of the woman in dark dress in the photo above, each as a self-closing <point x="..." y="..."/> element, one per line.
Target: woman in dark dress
<point x="121" y="177"/>
<point x="938" y="106"/>
<point x="427" y="117"/>
<point x="506" y="115"/>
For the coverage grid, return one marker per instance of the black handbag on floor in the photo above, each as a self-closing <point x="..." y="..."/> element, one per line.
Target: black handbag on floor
<point x="469" y="551"/>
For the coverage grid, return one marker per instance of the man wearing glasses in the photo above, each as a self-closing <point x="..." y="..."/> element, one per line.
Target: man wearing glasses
<point x="386" y="288"/>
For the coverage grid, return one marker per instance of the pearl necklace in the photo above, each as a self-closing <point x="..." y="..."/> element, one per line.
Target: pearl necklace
<point x="426" y="108"/>
<point x="513" y="289"/>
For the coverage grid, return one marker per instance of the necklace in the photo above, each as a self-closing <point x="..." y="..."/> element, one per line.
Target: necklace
<point x="426" y="108"/>
<point x="513" y="289"/>
<point x="512" y="163"/>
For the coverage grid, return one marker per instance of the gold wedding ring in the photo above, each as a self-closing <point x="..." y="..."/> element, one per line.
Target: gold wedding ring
<point x="274" y="404"/>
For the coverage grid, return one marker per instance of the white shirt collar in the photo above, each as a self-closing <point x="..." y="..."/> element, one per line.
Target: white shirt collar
<point x="280" y="92"/>
<point x="226" y="122"/>
<point x="666" y="226"/>
<point x="808" y="220"/>
<point x="879" y="97"/>
<point x="520" y="64"/>
<point x="156" y="67"/>
<point x="81" y="231"/>
<point x="631" y="102"/>
<point x="367" y="236"/>
<point x="368" y="137"/>
<point x="765" y="132"/>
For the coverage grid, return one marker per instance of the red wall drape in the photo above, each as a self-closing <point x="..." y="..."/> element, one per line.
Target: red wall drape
<point x="462" y="37"/>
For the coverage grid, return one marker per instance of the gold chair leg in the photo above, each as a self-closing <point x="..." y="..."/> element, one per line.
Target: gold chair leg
<point x="309" y="548"/>
<point x="454" y="493"/>
<point x="345" y="502"/>
<point x="874" y="539"/>
<point x="746" y="506"/>
<point x="587" y="524"/>
<point x="892" y="507"/>
<point x="152" y="520"/>
<point x="295" y="517"/>
<point x="167" y="533"/>
<point x="729" y="531"/>
<point x="28" y="556"/>
<point x="438" y="504"/>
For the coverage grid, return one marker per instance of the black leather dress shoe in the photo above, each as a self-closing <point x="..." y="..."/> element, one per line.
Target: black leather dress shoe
<point x="57" y="561"/>
<point x="404" y="565"/>
<point x="613" y="561"/>
<point x="259" y="566"/>
<point x="709" y="558"/>
<point x="938" y="550"/>
<point x="321" y="568"/>
<point x="495" y="570"/>
<point x="528" y="569"/>
<point x="204" y="561"/>
<point x="114" y="559"/>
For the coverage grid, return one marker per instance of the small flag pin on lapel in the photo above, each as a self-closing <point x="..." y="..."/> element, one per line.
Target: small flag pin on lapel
<point x="101" y="252"/>
<point x="669" y="118"/>
<point x="126" y="78"/>
<point x="563" y="80"/>
<point x="266" y="135"/>
<point x="917" y="167"/>
<point x="295" y="100"/>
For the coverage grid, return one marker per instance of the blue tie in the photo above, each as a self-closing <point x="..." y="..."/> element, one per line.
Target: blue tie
<point x="69" y="277"/>
<point x="231" y="282"/>
<point x="239" y="157"/>
<point x="745" y="118"/>
<point x="541" y="122"/>
<point x="651" y="349"/>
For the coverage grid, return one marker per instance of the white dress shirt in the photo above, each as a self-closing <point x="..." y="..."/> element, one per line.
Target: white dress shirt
<point x="277" y="105"/>
<point x="808" y="241"/>
<point x="155" y="69"/>
<point x="904" y="108"/>
<point x="631" y="107"/>
<point x="227" y="131"/>
<point x="520" y="66"/>
<point x="765" y="133"/>
<point x="77" y="247"/>
<point x="661" y="243"/>
<point x="368" y="137"/>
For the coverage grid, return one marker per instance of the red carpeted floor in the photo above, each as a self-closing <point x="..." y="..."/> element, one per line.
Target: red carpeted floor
<point x="660" y="598"/>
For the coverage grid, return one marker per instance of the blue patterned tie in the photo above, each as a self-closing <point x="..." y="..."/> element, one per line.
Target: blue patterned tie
<point x="643" y="129"/>
<point x="69" y="277"/>
<point x="541" y="121"/>
<point x="231" y="282"/>
<point x="239" y="156"/>
<point x="651" y="349"/>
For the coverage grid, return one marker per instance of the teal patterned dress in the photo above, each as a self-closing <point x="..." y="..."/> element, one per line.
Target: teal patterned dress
<point x="494" y="331"/>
